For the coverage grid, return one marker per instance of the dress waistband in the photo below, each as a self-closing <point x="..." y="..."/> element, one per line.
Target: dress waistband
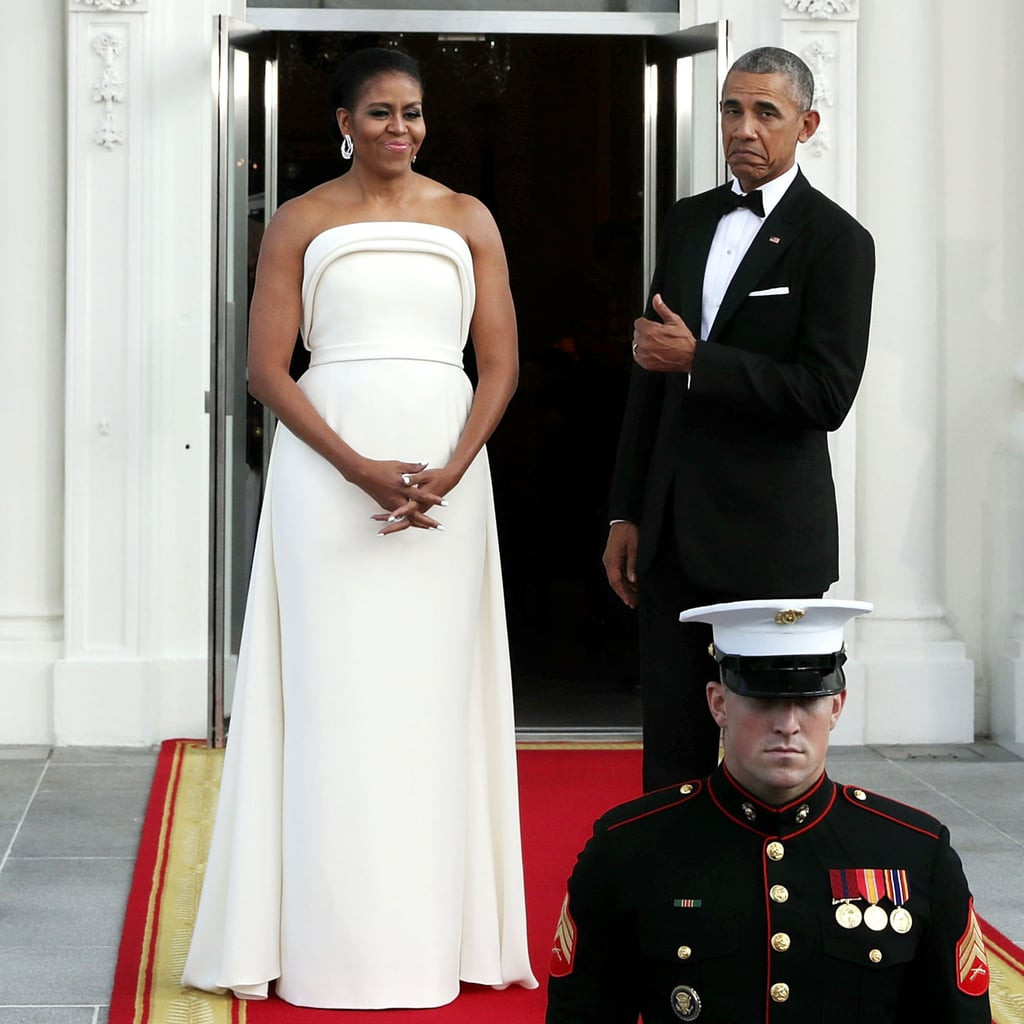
<point x="352" y="352"/>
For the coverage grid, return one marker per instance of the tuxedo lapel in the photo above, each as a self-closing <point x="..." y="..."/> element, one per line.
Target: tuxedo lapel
<point x="778" y="232"/>
<point x="693" y="258"/>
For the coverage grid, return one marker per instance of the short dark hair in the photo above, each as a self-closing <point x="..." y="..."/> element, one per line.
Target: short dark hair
<point x="357" y="69"/>
<point x="770" y="60"/>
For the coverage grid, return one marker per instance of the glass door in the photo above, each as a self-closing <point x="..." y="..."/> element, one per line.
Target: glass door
<point x="683" y="155"/>
<point x="581" y="250"/>
<point x="245" y="83"/>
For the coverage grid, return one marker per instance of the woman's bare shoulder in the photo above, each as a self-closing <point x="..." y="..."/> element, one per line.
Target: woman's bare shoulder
<point x="298" y="221"/>
<point x="465" y="214"/>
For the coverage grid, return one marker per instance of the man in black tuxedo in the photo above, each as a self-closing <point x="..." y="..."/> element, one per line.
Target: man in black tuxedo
<point x="751" y="349"/>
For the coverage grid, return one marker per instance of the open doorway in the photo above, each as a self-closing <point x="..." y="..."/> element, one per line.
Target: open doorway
<point x="548" y="132"/>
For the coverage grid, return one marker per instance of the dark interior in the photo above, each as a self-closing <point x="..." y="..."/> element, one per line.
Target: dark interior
<point x="548" y="132"/>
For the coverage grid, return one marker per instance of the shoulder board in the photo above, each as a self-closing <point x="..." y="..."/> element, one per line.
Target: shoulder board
<point x="651" y="803"/>
<point x="893" y="810"/>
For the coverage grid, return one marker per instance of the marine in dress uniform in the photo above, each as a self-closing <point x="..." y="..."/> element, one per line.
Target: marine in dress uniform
<point x="713" y="901"/>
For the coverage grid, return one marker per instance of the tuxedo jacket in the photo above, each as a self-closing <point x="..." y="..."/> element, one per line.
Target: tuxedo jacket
<point x="738" y="449"/>
<point x="701" y="903"/>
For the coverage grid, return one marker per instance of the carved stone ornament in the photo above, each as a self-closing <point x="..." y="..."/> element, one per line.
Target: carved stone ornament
<point x="108" y="89"/>
<point x="107" y="5"/>
<point x="819" y="55"/>
<point x="821" y="8"/>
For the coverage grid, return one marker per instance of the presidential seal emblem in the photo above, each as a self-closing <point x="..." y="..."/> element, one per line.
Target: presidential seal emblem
<point x="685" y="1002"/>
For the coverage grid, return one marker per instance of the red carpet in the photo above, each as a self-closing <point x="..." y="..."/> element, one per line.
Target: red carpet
<point x="562" y="791"/>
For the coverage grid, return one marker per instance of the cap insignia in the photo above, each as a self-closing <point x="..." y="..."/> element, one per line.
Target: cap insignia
<point x="788" y="616"/>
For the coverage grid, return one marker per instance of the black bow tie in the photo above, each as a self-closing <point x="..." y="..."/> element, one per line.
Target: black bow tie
<point x="753" y="201"/>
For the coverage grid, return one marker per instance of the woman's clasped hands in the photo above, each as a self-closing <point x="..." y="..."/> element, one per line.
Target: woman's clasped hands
<point x="409" y="490"/>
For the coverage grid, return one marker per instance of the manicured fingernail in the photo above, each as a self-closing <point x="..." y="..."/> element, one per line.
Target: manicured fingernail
<point x="444" y="504"/>
<point x="439" y="527"/>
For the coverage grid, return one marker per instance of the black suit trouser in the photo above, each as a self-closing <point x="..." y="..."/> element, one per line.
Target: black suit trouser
<point x="681" y="739"/>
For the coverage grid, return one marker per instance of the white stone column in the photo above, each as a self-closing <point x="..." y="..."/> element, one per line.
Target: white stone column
<point x="140" y="180"/>
<point x="31" y="367"/>
<point x="920" y="683"/>
<point x="100" y="686"/>
<point x="824" y="35"/>
<point x="1004" y="551"/>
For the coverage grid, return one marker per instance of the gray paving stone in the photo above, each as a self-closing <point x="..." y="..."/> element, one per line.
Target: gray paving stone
<point x="129" y="756"/>
<point x="51" y="903"/>
<point x="23" y="752"/>
<point x="87" y="811"/>
<point x="17" y="781"/>
<point x="63" y="976"/>
<point x="101" y="784"/>
<point x="48" y="1014"/>
<point x="77" y="833"/>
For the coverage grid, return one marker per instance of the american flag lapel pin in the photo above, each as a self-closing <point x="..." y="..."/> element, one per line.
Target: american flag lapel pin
<point x="775" y="239"/>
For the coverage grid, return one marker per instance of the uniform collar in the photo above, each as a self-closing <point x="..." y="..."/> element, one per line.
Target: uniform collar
<point x="747" y="810"/>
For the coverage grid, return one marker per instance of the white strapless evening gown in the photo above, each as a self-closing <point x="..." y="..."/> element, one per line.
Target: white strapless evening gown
<point x="366" y="851"/>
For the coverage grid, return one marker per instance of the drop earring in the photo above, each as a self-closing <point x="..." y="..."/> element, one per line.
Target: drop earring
<point x="346" y="147"/>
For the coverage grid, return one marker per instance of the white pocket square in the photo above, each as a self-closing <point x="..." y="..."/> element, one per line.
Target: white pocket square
<point x="769" y="291"/>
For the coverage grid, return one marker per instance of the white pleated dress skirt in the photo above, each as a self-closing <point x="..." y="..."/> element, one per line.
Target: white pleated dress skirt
<point x="366" y="852"/>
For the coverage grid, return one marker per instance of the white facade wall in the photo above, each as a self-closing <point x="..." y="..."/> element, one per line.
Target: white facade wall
<point x="105" y="344"/>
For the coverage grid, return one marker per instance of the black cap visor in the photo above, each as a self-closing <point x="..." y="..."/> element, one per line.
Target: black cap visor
<point x="798" y="675"/>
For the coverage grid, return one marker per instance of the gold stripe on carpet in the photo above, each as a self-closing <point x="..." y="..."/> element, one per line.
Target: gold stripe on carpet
<point x="184" y="841"/>
<point x="1006" y="982"/>
<point x="584" y="745"/>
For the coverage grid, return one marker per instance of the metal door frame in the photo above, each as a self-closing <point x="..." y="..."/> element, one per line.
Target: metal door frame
<point x="230" y="36"/>
<point x="666" y="42"/>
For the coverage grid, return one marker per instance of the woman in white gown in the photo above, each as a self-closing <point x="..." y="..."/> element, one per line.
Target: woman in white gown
<point x="366" y="851"/>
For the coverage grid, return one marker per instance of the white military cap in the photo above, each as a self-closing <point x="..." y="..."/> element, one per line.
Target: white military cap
<point x="779" y="646"/>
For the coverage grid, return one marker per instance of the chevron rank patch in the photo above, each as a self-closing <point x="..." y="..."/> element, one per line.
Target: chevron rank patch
<point x="563" y="948"/>
<point x="972" y="963"/>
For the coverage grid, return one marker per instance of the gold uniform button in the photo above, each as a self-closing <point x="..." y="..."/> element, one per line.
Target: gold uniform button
<point x="875" y="956"/>
<point x="859" y="794"/>
<point x="686" y="789"/>
<point x="684" y="952"/>
<point x="779" y="992"/>
<point x="779" y="893"/>
<point x="780" y="942"/>
<point x="776" y="851"/>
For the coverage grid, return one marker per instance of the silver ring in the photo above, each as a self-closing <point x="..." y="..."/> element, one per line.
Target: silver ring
<point x="406" y="479"/>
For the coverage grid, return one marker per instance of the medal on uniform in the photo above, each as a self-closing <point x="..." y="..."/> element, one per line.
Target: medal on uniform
<point x="848" y="914"/>
<point x="897" y="888"/>
<point x="876" y="918"/>
<point x="900" y="920"/>
<point x="844" y="891"/>
<point x="872" y="888"/>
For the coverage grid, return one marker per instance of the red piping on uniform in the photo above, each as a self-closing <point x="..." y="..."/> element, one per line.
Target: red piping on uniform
<point x="657" y="810"/>
<point x="768" y="926"/>
<point x="889" y="817"/>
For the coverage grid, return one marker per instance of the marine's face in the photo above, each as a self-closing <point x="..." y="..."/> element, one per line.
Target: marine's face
<point x="386" y="126"/>
<point x="761" y="125"/>
<point x="774" y="748"/>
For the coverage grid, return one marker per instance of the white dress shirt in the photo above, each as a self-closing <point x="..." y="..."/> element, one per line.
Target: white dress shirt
<point x="735" y="232"/>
